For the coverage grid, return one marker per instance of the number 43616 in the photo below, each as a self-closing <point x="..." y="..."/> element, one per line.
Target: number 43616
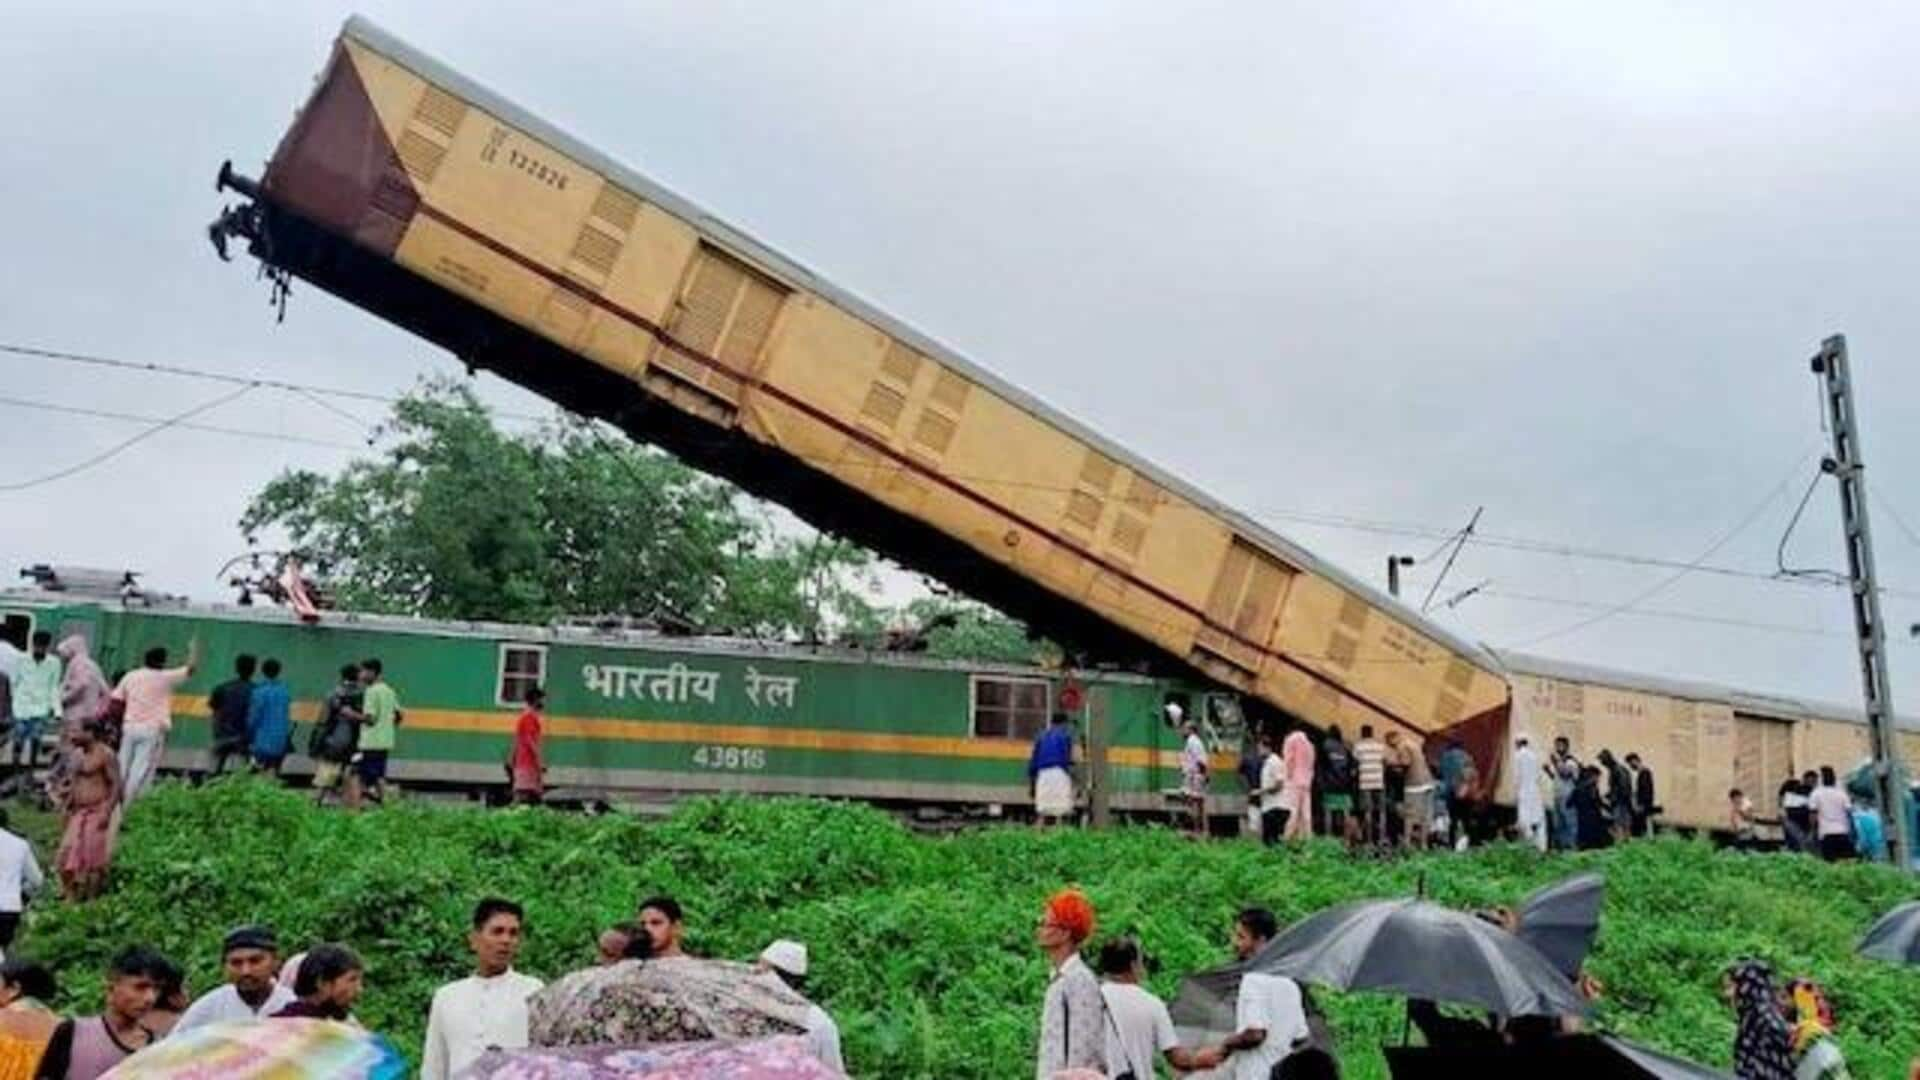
<point x="729" y="757"/>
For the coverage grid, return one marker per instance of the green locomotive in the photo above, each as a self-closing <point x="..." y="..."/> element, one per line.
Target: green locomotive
<point x="640" y="716"/>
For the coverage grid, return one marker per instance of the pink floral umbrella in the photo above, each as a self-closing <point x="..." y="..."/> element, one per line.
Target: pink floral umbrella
<point x="779" y="1058"/>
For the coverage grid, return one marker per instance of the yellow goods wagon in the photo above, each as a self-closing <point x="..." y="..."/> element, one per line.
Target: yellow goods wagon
<point x="1701" y="740"/>
<point x="417" y="194"/>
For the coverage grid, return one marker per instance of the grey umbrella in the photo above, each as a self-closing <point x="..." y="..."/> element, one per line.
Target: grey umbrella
<point x="1423" y="950"/>
<point x="1562" y="919"/>
<point x="1659" y="1066"/>
<point x="1895" y="938"/>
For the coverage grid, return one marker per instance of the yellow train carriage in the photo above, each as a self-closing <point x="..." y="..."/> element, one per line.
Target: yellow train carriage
<point x="1700" y="739"/>
<point x="529" y="253"/>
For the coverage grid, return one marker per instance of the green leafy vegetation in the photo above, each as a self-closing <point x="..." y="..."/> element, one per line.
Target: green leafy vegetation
<point x="922" y="946"/>
<point x="575" y="523"/>
<point x="571" y="522"/>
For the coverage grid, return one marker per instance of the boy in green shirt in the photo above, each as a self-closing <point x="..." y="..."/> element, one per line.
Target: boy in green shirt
<point x="377" y="738"/>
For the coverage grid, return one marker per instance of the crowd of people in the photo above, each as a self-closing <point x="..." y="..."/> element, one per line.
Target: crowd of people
<point x="146" y="999"/>
<point x="1110" y="1026"/>
<point x="1818" y="817"/>
<point x="111" y="735"/>
<point x="1382" y="793"/>
<point x="1104" y="1025"/>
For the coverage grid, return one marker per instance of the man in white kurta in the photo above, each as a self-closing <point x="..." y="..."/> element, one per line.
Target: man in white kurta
<point x="488" y="1009"/>
<point x="1527" y="797"/>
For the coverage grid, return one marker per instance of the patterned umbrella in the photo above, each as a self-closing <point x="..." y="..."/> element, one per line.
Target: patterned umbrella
<point x="781" y="1058"/>
<point x="267" y="1050"/>
<point x="669" y="999"/>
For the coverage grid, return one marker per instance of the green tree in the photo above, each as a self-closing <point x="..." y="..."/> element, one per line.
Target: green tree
<point x="459" y="519"/>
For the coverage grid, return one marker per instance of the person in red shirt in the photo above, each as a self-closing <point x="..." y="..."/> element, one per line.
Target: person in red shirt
<point x="525" y="765"/>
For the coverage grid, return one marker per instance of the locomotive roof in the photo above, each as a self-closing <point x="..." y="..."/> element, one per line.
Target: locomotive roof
<point x="588" y="636"/>
<point x="1745" y="701"/>
<point x="784" y="268"/>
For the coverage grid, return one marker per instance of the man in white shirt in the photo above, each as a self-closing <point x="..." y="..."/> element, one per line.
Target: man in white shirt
<point x="19" y="876"/>
<point x="1273" y="774"/>
<point x="1193" y="773"/>
<point x="1139" y="1029"/>
<point x="788" y="961"/>
<point x="251" y="959"/>
<point x="1270" y="1012"/>
<point x="1532" y="806"/>
<point x="488" y="1009"/>
<point x="1832" y="817"/>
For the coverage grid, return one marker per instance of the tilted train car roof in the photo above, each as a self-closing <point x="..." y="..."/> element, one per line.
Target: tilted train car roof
<point x="1747" y="701"/>
<point x="790" y="271"/>
<point x="583" y="636"/>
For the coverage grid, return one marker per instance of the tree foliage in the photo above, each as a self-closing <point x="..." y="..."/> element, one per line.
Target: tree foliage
<point x="460" y="519"/>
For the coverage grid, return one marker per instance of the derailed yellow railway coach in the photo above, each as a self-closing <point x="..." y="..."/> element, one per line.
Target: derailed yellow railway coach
<point x="411" y="191"/>
<point x="1702" y="740"/>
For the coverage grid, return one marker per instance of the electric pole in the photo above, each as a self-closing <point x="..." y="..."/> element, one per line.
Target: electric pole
<point x="1846" y="467"/>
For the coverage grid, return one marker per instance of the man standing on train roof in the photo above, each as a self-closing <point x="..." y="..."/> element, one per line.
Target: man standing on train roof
<point x="270" y="719"/>
<point x="1050" y="772"/>
<point x="229" y="705"/>
<point x="381" y="706"/>
<point x="1527" y="798"/>
<point x="665" y="924"/>
<point x="251" y="959"/>
<point x="36" y="698"/>
<point x="147" y="693"/>
<point x="1193" y="771"/>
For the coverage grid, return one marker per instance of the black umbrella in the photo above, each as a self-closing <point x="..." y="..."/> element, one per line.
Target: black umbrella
<point x="1562" y="919"/>
<point x="1422" y="950"/>
<point x="1590" y="1057"/>
<point x="1658" y="1066"/>
<point x="1205" y="1008"/>
<point x="1895" y="938"/>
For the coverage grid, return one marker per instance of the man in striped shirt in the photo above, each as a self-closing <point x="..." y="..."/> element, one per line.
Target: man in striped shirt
<point x="1370" y="760"/>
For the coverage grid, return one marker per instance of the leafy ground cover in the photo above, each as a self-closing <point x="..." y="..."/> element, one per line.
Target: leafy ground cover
<point x="922" y="946"/>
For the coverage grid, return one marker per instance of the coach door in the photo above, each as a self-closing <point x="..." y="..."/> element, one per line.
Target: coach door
<point x="1762" y="755"/>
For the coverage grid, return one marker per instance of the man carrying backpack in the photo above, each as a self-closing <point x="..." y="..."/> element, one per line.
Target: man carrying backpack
<point x="336" y="738"/>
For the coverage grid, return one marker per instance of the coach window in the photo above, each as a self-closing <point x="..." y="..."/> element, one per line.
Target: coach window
<point x="1010" y="708"/>
<point x="522" y="667"/>
<point x="16" y="629"/>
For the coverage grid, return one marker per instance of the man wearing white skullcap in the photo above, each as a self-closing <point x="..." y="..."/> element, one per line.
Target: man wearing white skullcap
<point x="788" y="960"/>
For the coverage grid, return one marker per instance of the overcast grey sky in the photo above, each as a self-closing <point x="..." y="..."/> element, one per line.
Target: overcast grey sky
<point x="1385" y="262"/>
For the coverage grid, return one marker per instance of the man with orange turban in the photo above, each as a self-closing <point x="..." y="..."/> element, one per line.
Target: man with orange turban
<point x="1071" y="1031"/>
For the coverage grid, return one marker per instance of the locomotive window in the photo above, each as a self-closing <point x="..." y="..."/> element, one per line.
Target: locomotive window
<point x="1010" y="708"/>
<point x="16" y="629"/>
<point x="522" y="667"/>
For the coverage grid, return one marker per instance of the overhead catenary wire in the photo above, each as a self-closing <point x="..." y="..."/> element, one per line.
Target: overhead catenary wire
<point x="126" y="444"/>
<point x="145" y="418"/>
<point x="184" y="372"/>
<point x="1663" y="584"/>
<point x="1446" y="536"/>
